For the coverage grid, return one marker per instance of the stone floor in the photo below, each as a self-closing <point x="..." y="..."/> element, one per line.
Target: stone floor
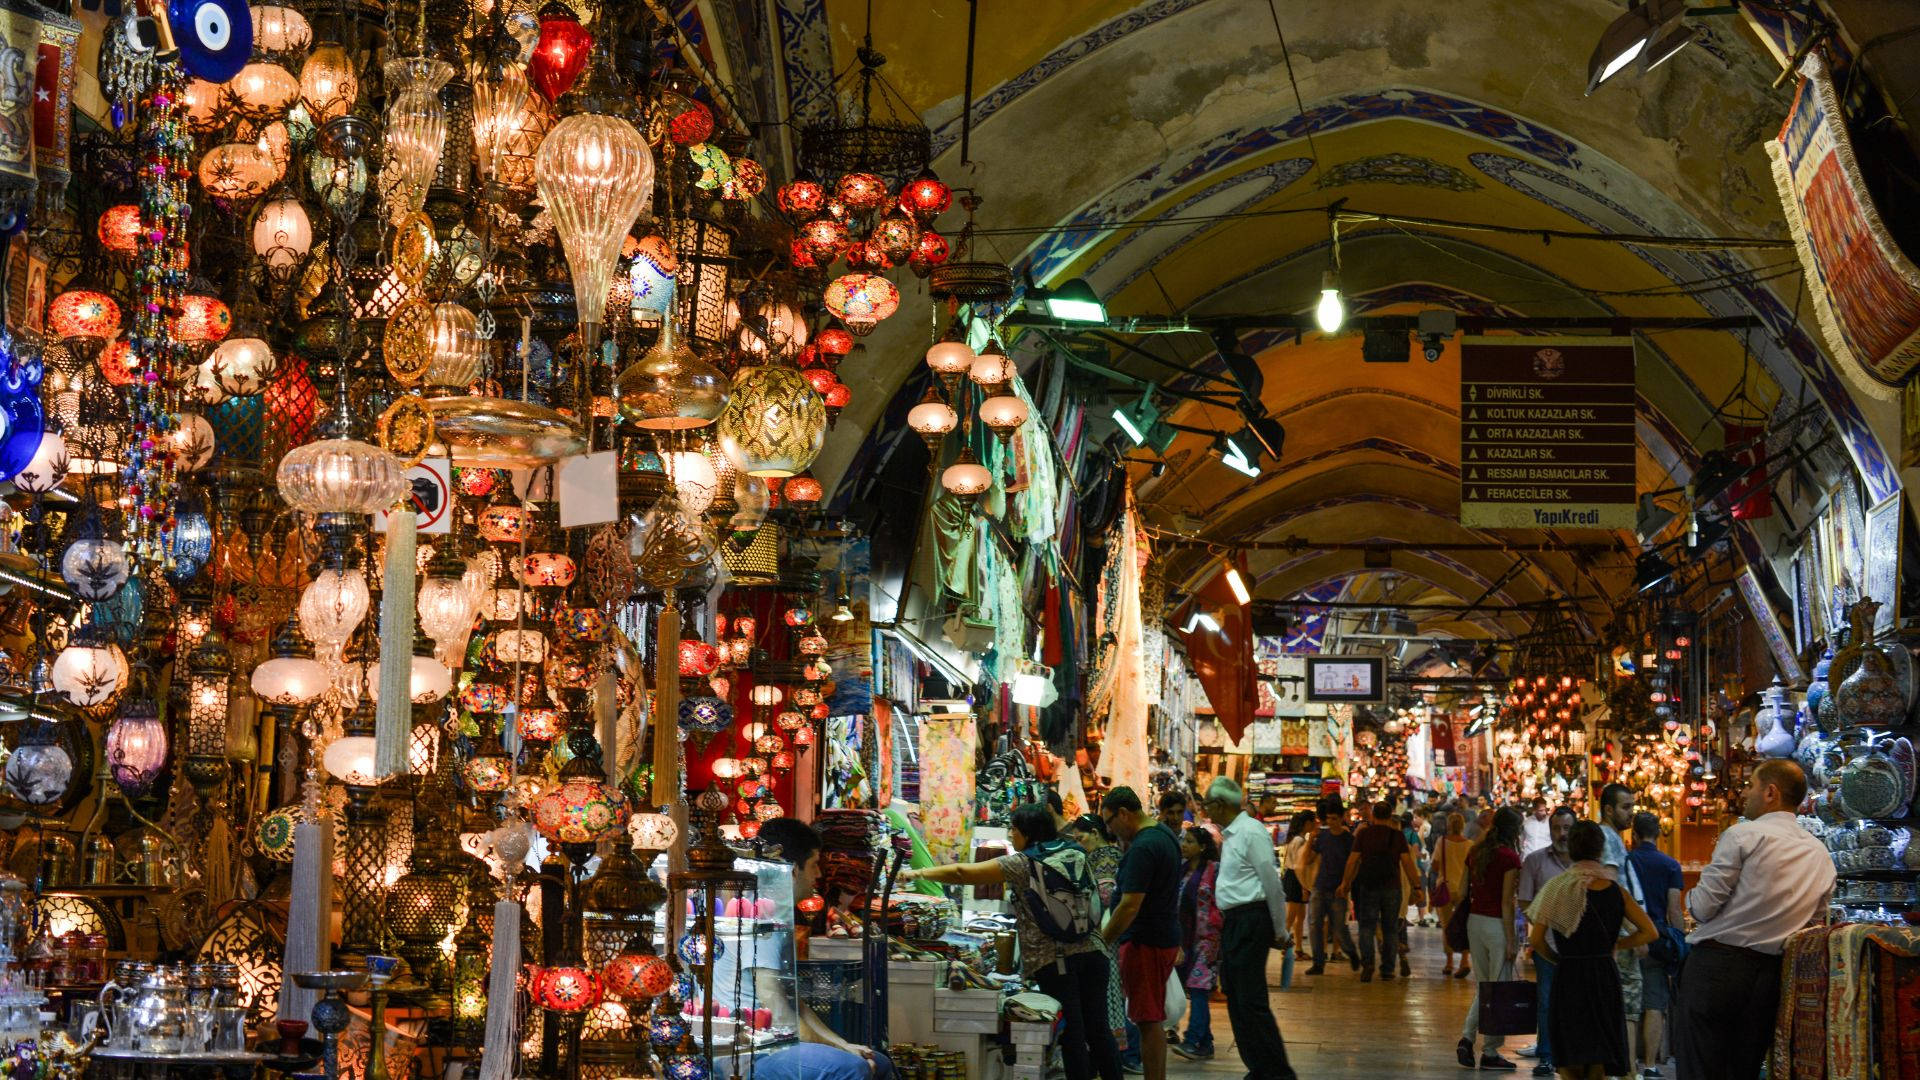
<point x="1336" y="1026"/>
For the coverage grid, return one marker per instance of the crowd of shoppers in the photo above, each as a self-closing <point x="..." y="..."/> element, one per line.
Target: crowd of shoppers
<point x="1189" y="897"/>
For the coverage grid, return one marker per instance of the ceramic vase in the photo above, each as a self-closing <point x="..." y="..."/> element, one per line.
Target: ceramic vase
<point x="1773" y="733"/>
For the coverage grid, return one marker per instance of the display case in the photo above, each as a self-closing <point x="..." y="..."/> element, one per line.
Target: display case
<point x="736" y="994"/>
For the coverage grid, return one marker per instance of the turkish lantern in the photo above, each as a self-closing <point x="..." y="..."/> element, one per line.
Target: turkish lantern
<point x="561" y="52"/>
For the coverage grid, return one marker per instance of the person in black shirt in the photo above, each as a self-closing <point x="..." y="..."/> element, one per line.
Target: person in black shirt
<point x="1379" y="861"/>
<point x="1145" y="919"/>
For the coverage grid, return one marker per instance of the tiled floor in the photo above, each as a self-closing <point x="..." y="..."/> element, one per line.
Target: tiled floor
<point x="1336" y="1026"/>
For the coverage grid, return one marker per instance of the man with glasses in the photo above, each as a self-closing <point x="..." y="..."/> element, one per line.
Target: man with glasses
<point x="1248" y="892"/>
<point x="1145" y="919"/>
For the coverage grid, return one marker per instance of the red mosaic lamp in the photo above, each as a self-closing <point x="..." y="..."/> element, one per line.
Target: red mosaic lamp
<point x="560" y="54"/>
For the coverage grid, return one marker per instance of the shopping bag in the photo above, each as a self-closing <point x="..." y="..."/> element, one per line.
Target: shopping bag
<point x="1176" y="1000"/>
<point x="1507" y="1008"/>
<point x="1456" y="928"/>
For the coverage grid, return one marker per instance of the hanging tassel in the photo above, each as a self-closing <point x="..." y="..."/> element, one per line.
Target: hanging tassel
<point x="606" y="718"/>
<point x="666" y="706"/>
<point x="393" y="715"/>
<point x="308" y="915"/>
<point x="497" y="1053"/>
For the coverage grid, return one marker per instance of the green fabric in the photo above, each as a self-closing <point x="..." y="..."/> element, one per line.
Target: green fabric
<point x="921" y="858"/>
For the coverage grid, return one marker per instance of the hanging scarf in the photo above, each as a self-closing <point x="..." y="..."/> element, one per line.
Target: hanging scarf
<point x="1562" y="902"/>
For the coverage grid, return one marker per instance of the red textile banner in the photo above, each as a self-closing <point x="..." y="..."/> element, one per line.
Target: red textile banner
<point x="1223" y="658"/>
<point x="1750" y="496"/>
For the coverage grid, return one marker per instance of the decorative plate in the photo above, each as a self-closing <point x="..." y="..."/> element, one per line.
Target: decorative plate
<point x="1900" y="752"/>
<point x="413" y="249"/>
<point x="1870" y="786"/>
<point x="407" y="429"/>
<point x="408" y="342"/>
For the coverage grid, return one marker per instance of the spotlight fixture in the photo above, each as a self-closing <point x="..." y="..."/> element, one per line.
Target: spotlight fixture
<point x="1238" y="585"/>
<point x="1331" y="312"/>
<point x="1201" y="620"/>
<point x="1650" y="571"/>
<point x="1652" y="519"/>
<point x="1231" y="454"/>
<point x="1076" y="302"/>
<point x="1141" y="422"/>
<point x="1648" y="32"/>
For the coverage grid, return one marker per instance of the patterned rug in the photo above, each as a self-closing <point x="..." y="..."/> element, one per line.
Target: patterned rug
<point x="1898" y="1023"/>
<point x="1800" y="1037"/>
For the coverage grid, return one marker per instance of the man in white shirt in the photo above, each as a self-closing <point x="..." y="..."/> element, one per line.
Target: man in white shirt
<point x="1536" y="832"/>
<point x="1769" y="877"/>
<point x="1251" y="901"/>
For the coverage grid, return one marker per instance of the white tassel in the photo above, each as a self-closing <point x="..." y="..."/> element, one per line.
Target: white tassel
<point x="498" y="1052"/>
<point x="606" y="717"/>
<point x="308" y="915"/>
<point x="393" y="714"/>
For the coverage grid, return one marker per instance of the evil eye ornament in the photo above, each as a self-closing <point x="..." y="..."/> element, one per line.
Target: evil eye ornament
<point x="215" y="36"/>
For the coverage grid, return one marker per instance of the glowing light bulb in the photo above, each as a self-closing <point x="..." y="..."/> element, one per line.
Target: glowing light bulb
<point x="1331" y="312"/>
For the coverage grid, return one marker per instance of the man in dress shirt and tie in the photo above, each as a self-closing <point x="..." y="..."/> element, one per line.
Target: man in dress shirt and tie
<point x="1769" y="877"/>
<point x="1251" y="901"/>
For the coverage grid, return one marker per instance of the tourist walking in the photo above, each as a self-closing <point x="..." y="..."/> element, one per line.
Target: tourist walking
<point x="1380" y="861"/>
<point x="1292" y="882"/>
<point x="1661" y="883"/>
<point x="1493" y="873"/>
<point x="1326" y="865"/>
<point x="1145" y="920"/>
<point x="1768" y="878"/>
<point x="1535" y="871"/>
<point x="1057" y="952"/>
<point x="1616" y="818"/>
<point x="1576" y="921"/>
<point x="1199" y="939"/>
<point x="1103" y="859"/>
<point x="1449" y="880"/>
<point x="1249" y="895"/>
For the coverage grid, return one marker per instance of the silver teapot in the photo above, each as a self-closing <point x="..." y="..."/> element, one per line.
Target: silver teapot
<point x="156" y="1013"/>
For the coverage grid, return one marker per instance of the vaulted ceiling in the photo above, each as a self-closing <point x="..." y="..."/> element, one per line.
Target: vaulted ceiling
<point x="1102" y="130"/>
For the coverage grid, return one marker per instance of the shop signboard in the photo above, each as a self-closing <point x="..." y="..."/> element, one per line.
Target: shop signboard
<point x="1547" y="433"/>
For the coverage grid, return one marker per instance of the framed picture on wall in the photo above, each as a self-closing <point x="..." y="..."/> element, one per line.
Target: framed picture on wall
<point x="1882" y="560"/>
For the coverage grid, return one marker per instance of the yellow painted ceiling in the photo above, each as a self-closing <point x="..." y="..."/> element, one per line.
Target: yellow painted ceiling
<point x="926" y="43"/>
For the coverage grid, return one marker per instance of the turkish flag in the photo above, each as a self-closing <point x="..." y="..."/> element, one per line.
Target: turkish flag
<point x="1751" y="497"/>
<point x="1222" y="658"/>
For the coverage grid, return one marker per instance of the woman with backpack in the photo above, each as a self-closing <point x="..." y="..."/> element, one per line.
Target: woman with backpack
<point x="1200" y="921"/>
<point x="1056" y="905"/>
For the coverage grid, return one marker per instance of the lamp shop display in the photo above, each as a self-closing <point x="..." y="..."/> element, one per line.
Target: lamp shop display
<point x="328" y="296"/>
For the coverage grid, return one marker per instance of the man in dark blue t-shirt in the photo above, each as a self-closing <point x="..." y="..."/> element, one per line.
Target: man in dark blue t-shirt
<point x="1145" y="920"/>
<point x="1661" y="883"/>
<point x="1326" y="865"/>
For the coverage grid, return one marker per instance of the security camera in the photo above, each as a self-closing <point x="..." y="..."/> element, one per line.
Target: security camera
<point x="1431" y="345"/>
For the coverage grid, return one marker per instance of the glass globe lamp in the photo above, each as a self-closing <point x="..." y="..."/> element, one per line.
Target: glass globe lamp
<point x="83" y="313"/>
<point x="416" y="127"/>
<point x="862" y="300"/>
<point x="992" y="369"/>
<point x="567" y="988"/>
<point x="291" y="676"/>
<point x="341" y="476"/>
<point x="349" y="759"/>
<point x="1003" y="414"/>
<point x="278" y="30"/>
<point x="457" y="346"/>
<point x="671" y="387"/>
<point x="581" y="808"/>
<point x="237" y="170"/>
<point x="95" y="568"/>
<point x="328" y="85"/>
<point x="91" y="672"/>
<point x="595" y="176"/>
<point x="333" y="605"/>
<point x="263" y="89"/>
<point x="652" y="831"/>
<point x="541" y="724"/>
<point x="950" y="359"/>
<point x="966" y="477"/>
<point x="694" y="479"/>
<point x="774" y="424"/>
<point x="282" y="234"/>
<point x="932" y="418"/>
<point x="137" y="748"/>
<point x="499" y="112"/>
<point x="445" y="605"/>
<point x="242" y="366"/>
<point x="119" y="229"/>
